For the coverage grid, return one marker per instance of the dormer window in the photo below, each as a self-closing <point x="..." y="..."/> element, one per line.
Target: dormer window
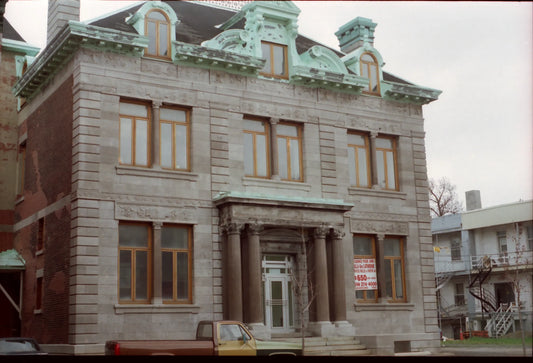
<point x="158" y="31"/>
<point x="276" y="64"/>
<point x="370" y="70"/>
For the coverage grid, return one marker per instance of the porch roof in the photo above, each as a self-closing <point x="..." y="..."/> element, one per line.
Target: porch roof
<point x="11" y="260"/>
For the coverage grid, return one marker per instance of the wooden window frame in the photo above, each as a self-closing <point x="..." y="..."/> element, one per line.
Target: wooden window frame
<point x="266" y="134"/>
<point x="149" y="278"/>
<point x="365" y="298"/>
<point x="134" y="119"/>
<point x="158" y="35"/>
<point x="390" y="260"/>
<point x="368" y="65"/>
<point x="395" y="161"/>
<point x="173" y="124"/>
<point x="272" y="62"/>
<point x="174" y="252"/>
<point x="356" y="148"/>
<point x="300" y="152"/>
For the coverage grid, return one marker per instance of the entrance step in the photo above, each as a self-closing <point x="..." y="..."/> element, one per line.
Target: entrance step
<point x="332" y="346"/>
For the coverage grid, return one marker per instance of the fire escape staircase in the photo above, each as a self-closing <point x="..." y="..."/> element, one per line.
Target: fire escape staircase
<point x="487" y="299"/>
<point x="501" y="321"/>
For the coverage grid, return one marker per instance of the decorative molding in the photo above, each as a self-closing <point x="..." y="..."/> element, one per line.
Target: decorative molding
<point x="155" y="213"/>
<point x="379" y="227"/>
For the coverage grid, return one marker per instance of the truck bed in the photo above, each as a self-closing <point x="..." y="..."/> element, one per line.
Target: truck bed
<point x="160" y="347"/>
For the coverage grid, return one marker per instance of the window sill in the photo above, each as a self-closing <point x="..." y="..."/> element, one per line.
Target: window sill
<point x="37" y="311"/>
<point x="156" y="172"/>
<point x="385" y="307"/>
<point x="367" y="192"/>
<point x="156" y="308"/>
<point x="19" y="200"/>
<point x="271" y="183"/>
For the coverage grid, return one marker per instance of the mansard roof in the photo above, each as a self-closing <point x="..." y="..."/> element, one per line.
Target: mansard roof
<point x="10" y="32"/>
<point x="201" y="22"/>
<point x="219" y="38"/>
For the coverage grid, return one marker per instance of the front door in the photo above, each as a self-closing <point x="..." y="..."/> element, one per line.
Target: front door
<point x="279" y="300"/>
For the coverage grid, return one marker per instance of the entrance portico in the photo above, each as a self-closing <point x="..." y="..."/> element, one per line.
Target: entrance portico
<point x="309" y="234"/>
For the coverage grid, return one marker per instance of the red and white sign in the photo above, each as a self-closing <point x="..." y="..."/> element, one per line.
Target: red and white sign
<point x="365" y="275"/>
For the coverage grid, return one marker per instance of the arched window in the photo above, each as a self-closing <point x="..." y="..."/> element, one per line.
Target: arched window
<point x="157" y="28"/>
<point x="370" y="70"/>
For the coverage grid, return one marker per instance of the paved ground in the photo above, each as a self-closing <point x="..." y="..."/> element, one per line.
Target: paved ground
<point x="486" y="351"/>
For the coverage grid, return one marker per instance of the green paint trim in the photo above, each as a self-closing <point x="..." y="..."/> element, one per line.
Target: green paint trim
<point x="19" y="47"/>
<point x="73" y="36"/>
<point x="11" y="260"/>
<point x="220" y="197"/>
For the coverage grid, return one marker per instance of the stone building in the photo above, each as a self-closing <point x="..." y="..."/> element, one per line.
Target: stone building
<point x="185" y="161"/>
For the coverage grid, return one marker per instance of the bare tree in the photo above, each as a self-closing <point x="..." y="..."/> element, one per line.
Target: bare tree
<point x="302" y="284"/>
<point x="443" y="198"/>
<point x="519" y="258"/>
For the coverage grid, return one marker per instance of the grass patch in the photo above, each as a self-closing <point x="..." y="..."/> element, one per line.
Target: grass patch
<point x="510" y="339"/>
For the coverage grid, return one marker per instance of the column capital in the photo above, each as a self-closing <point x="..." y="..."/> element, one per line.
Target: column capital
<point x="373" y="134"/>
<point x="156" y="103"/>
<point x="380" y="236"/>
<point x="157" y="225"/>
<point x="255" y="228"/>
<point x="321" y="232"/>
<point x="337" y="233"/>
<point x="232" y="228"/>
<point x="274" y="120"/>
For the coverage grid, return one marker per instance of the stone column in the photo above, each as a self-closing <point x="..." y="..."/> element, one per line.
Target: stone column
<point x="382" y="292"/>
<point x="234" y="272"/>
<point x="156" y="108"/>
<point x="157" y="297"/>
<point x="254" y="296"/>
<point x="339" y="293"/>
<point x="274" y="147"/>
<point x="321" y="275"/>
<point x="373" y="161"/>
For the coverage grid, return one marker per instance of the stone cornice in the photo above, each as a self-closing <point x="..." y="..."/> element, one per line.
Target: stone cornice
<point x="204" y="57"/>
<point x="73" y="36"/>
<point x="409" y="93"/>
<point x="281" y="201"/>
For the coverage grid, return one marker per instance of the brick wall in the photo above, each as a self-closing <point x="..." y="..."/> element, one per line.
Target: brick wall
<point x="47" y="198"/>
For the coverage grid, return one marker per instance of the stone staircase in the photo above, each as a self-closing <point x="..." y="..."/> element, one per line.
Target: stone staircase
<point x="332" y="346"/>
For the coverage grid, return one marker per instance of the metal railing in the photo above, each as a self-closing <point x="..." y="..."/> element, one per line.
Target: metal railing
<point x="507" y="259"/>
<point x="445" y="264"/>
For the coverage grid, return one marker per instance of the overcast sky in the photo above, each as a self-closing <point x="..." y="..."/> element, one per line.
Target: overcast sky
<point x="479" y="132"/>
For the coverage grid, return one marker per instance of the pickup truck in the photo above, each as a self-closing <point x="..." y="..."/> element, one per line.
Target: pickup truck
<point x="222" y="337"/>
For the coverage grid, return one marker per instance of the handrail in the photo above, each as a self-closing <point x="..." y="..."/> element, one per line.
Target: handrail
<point x="444" y="263"/>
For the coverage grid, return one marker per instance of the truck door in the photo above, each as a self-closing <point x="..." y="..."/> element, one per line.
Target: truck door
<point x="234" y="340"/>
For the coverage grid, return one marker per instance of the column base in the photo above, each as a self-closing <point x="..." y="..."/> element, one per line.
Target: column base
<point x="321" y="328"/>
<point x="344" y="328"/>
<point x="259" y="331"/>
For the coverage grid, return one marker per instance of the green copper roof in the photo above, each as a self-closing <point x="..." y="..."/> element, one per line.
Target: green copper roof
<point x="232" y="46"/>
<point x="11" y="260"/>
<point x="336" y="203"/>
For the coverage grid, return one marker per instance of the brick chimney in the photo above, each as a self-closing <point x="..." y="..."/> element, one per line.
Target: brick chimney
<point x="355" y="34"/>
<point x="59" y="13"/>
<point x="473" y="200"/>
